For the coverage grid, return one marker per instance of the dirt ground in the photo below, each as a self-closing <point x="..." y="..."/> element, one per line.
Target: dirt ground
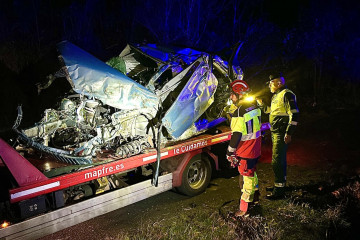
<point x="321" y="150"/>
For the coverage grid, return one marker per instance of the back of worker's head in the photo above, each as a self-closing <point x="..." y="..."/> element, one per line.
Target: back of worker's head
<point x="239" y="87"/>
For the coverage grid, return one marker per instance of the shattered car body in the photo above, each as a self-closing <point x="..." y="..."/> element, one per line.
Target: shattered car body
<point x="123" y="104"/>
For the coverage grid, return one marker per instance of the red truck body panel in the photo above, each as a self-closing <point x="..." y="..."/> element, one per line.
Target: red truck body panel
<point x="22" y="170"/>
<point x="42" y="185"/>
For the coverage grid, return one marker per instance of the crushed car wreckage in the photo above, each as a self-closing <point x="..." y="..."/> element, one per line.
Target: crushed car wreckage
<point x="147" y="94"/>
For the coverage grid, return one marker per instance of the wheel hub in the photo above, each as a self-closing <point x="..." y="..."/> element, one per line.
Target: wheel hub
<point x="196" y="174"/>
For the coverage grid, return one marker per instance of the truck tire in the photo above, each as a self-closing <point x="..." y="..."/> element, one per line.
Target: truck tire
<point x="196" y="176"/>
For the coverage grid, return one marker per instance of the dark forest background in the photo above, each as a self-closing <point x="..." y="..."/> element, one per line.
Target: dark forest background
<point x="316" y="44"/>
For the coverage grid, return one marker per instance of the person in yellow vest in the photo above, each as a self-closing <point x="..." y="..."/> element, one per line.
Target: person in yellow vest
<point x="244" y="149"/>
<point x="284" y="114"/>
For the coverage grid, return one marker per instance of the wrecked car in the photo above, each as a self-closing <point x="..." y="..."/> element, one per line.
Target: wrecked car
<point x="146" y="94"/>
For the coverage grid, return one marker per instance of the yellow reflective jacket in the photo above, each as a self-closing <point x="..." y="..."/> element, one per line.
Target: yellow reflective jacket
<point x="245" y="125"/>
<point x="283" y="112"/>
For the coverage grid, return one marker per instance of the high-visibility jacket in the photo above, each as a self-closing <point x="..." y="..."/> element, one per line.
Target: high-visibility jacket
<point x="246" y="134"/>
<point x="284" y="112"/>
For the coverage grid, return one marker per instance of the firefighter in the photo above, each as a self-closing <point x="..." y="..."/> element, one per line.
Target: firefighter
<point x="245" y="144"/>
<point x="283" y="118"/>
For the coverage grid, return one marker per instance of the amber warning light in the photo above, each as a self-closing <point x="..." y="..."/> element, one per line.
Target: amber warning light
<point x="5" y="224"/>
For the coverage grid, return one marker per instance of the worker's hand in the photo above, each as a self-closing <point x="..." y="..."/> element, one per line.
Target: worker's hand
<point x="226" y="109"/>
<point x="234" y="162"/>
<point x="259" y="101"/>
<point x="287" y="139"/>
<point x="225" y="112"/>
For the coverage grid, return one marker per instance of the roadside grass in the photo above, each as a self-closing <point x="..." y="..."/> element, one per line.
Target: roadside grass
<point x="207" y="224"/>
<point x="343" y="216"/>
<point x="322" y="210"/>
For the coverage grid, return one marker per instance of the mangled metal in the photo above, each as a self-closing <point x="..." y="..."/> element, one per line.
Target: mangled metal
<point x="120" y="105"/>
<point x="95" y="79"/>
<point x="194" y="99"/>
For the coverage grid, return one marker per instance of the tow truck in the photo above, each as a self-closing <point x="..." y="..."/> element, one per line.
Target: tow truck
<point x="38" y="204"/>
<point x="44" y="192"/>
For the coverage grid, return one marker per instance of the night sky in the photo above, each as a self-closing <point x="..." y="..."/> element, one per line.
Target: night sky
<point x="316" y="44"/>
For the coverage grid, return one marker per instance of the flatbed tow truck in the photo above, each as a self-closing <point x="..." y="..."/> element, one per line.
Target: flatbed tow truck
<point x="39" y="205"/>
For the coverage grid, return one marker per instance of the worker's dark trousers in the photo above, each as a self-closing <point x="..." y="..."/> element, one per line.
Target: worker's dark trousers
<point x="279" y="149"/>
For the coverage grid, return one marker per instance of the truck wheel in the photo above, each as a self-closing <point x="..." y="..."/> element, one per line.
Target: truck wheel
<point x="196" y="176"/>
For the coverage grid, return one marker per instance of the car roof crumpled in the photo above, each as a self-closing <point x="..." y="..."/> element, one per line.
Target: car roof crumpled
<point x="93" y="78"/>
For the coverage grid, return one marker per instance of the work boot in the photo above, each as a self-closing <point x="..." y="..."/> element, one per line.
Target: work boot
<point x="240" y="213"/>
<point x="277" y="193"/>
<point x="242" y="209"/>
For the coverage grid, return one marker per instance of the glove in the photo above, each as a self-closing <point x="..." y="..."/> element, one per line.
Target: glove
<point x="226" y="112"/>
<point x="234" y="162"/>
<point x="226" y="109"/>
<point x="259" y="101"/>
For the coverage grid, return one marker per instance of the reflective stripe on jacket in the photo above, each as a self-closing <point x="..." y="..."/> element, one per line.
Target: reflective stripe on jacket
<point x="245" y="125"/>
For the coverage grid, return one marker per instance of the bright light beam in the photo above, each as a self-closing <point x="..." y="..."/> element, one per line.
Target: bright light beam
<point x="249" y="99"/>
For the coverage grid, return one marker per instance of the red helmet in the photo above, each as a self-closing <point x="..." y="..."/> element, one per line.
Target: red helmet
<point x="239" y="87"/>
